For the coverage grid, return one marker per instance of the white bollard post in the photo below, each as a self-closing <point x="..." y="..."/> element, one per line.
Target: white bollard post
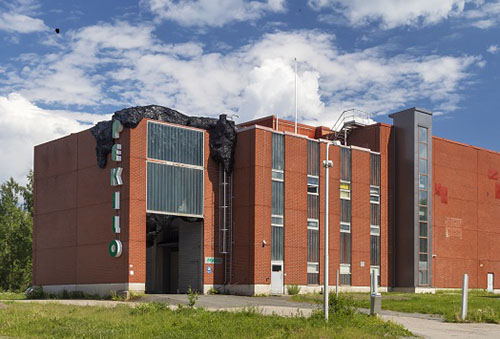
<point x="465" y="292"/>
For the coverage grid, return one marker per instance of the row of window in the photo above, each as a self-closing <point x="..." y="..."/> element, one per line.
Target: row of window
<point x="313" y="209"/>
<point x="423" y="206"/>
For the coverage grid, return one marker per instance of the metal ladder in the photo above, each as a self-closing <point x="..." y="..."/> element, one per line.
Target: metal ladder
<point x="226" y="221"/>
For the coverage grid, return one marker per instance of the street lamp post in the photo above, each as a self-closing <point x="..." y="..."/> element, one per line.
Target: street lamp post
<point x="326" y="164"/>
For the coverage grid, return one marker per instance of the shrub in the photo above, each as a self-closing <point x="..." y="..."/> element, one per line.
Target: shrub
<point x="340" y="305"/>
<point x="35" y="292"/>
<point x="293" y="289"/>
<point x="213" y="291"/>
<point x="192" y="296"/>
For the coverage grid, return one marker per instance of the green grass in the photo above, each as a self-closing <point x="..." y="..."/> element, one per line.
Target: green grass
<point x="12" y="296"/>
<point x="153" y="320"/>
<point x="482" y="306"/>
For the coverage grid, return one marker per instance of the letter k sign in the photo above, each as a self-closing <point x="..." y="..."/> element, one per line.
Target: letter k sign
<point x="116" y="176"/>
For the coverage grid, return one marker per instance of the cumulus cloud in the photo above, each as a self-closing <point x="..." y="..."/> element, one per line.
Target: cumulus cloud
<point x="15" y="17"/>
<point x="392" y="13"/>
<point x="493" y="49"/>
<point x="485" y="15"/>
<point x="124" y="65"/>
<point x="24" y="125"/>
<point x="214" y="13"/>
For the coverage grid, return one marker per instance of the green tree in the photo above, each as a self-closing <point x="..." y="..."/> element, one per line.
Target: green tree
<point x="16" y="225"/>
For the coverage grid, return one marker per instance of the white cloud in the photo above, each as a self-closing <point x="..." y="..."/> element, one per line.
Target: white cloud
<point x="215" y="13"/>
<point x="392" y="13"/>
<point x="15" y="17"/>
<point x="12" y="22"/>
<point x="485" y="15"/>
<point x="25" y="125"/>
<point x="125" y="65"/>
<point x="493" y="49"/>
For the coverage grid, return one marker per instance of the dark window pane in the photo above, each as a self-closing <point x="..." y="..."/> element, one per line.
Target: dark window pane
<point x="423" y="182"/>
<point x="422" y="213"/>
<point x="276" y="243"/>
<point x="423" y="229"/>
<point x="174" y="189"/>
<point x="345" y="279"/>
<point x="313" y="206"/>
<point x="313" y="278"/>
<point x="423" y="245"/>
<point x="423" y="197"/>
<point x="345" y="210"/>
<point x="312" y="157"/>
<point x="175" y="144"/>
<point x="375" y="214"/>
<point x="312" y="245"/>
<point x="345" y="248"/>
<point x="375" y="169"/>
<point x="278" y="150"/>
<point x="277" y="197"/>
<point x="423" y="258"/>
<point x="345" y="164"/>
<point x="374" y="250"/>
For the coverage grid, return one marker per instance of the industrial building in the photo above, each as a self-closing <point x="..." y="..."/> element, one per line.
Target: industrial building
<point x="157" y="201"/>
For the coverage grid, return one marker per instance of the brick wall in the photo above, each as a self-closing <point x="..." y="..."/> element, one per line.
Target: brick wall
<point x="465" y="226"/>
<point x="73" y="213"/>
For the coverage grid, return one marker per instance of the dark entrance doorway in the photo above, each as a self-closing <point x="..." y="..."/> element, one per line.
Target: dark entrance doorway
<point x="173" y="254"/>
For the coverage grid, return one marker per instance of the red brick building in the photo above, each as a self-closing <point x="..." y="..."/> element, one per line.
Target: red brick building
<point x="164" y="215"/>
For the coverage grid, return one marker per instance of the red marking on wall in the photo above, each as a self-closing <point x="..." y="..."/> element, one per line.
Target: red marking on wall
<point x="497" y="191"/>
<point x="442" y="191"/>
<point x="492" y="174"/>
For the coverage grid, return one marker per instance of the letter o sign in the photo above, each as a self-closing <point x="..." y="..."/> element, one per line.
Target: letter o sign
<point x="115" y="248"/>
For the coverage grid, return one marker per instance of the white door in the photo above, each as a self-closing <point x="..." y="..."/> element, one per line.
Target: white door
<point x="277" y="278"/>
<point x="490" y="282"/>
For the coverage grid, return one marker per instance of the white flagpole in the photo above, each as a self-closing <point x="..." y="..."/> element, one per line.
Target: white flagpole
<point x="296" y="116"/>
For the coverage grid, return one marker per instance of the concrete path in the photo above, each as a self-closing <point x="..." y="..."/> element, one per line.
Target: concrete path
<point x="436" y="328"/>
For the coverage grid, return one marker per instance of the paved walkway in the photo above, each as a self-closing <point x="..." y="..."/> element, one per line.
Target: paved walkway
<point x="427" y="326"/>
<point x="436" y="328"/>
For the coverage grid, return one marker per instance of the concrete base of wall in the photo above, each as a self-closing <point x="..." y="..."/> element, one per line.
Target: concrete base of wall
<point x="101" y="289"/>
<point x="430" y="290"/>
<point x="266" y="289"/>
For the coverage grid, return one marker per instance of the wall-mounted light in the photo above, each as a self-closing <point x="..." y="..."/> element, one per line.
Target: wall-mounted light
<point x="264" y="243"/>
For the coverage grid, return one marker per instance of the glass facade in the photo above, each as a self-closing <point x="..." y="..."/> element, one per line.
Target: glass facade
<point x="277" y="196"/>
<point x="345" y="216"/>
<point x="312" y="212"/>
<point x="175" y="170"/>
<point x="423" y="213"/>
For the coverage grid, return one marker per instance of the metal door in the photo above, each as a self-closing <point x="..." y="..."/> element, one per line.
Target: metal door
<point x="490" y="282"/>
<point x="277" y="278"/>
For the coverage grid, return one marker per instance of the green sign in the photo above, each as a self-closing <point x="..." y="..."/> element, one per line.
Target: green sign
<point x="212" y="260"/>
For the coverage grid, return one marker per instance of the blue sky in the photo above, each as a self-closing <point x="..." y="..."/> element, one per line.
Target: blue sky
<point x="206" y="57"/>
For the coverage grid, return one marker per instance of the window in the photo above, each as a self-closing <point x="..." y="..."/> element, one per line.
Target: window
<point x="345" y="216"/>
<point x="423" y="205"/>
<point x="277" y="197"/>
<point x="312" y="212"/>
<point x="375" y="210"/>
<point x="174" y="170"/>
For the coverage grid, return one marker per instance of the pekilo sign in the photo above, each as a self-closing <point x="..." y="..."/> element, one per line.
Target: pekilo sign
<point x="115" y="246"/>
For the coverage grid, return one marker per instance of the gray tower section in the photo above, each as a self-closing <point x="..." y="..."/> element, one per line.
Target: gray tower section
<point x="406" y="195"/>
